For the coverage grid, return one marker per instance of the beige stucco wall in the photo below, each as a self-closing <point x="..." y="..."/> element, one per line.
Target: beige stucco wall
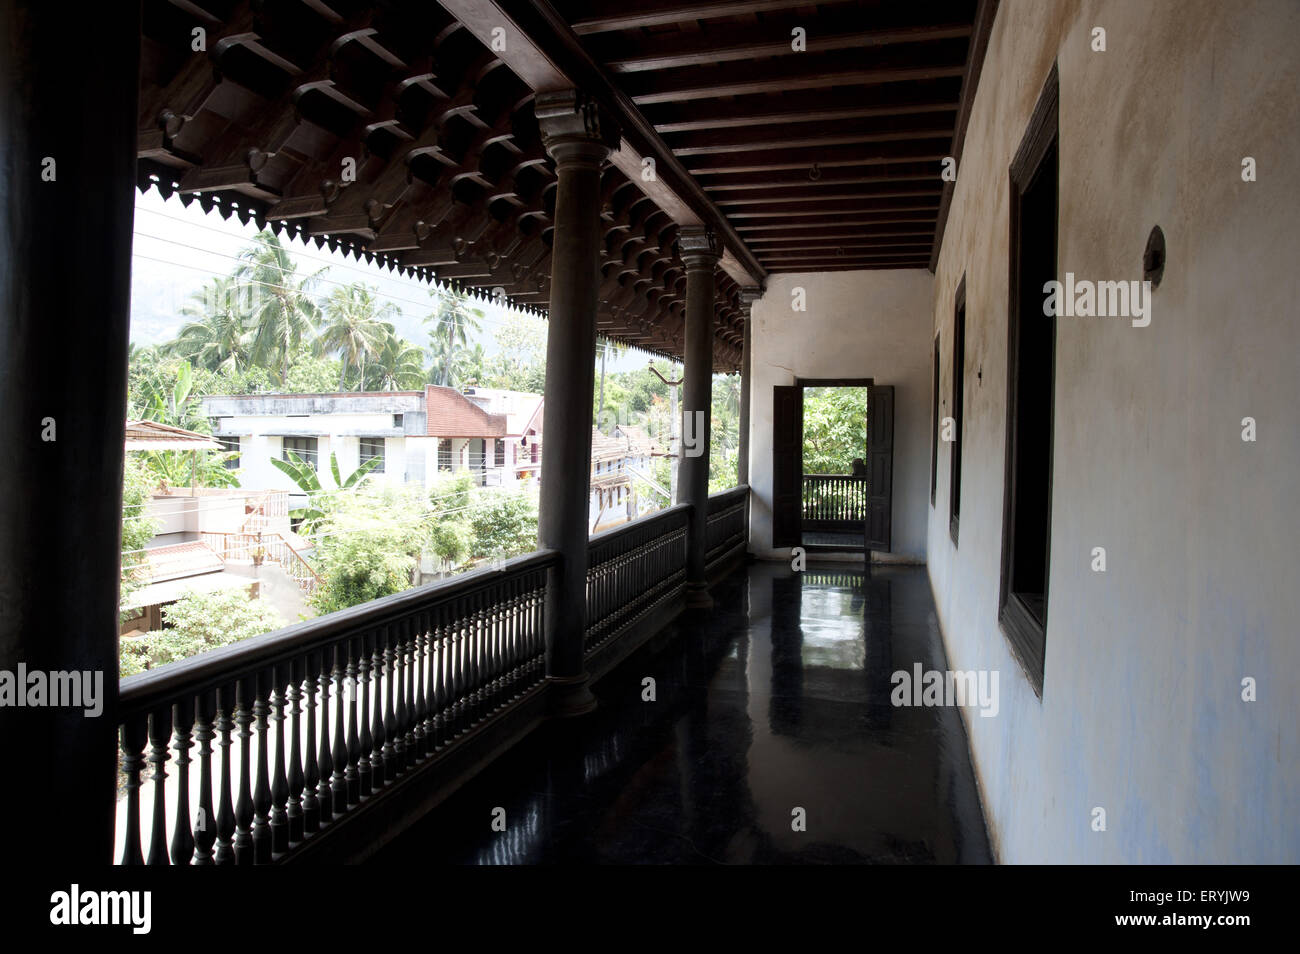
<point x="1141" y="712"/>
<point x="861" y="324"/>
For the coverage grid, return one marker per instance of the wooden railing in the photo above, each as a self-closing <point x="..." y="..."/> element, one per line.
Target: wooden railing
<point x="726" y="529"/>
<point x="315" y="719"/>
<point x="632" y="569"/>
<point x="834" y="502"/>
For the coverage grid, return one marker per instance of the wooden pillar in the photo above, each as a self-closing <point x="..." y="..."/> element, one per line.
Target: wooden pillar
<point x="748" y="296"/>
<point x="67" y="184"/>
<point x="700" y="251"/>
<point x="579" y="137"/>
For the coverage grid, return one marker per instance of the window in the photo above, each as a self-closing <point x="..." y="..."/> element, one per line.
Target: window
<point x="499" y="453"/>
<point x="1031" y="383"/>
<point x="304" y="447"/>
<point x="229" y="445"/>
<point x="372" y="447"/>
<point x="397" y="421"/>
<point x="444" y="454"/>
<point x="934" y="425"/>
<point x="958" y="402"/>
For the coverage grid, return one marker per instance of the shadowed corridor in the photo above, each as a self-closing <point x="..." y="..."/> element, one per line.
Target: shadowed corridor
<point x="776" y="700"/>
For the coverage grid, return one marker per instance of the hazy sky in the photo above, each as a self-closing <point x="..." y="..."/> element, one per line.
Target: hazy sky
<point x="177" y="250"/>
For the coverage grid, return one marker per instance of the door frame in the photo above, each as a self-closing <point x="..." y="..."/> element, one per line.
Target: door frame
<point x="804" y="384"/>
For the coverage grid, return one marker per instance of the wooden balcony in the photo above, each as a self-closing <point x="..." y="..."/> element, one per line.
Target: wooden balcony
<point x="326" y="739"/>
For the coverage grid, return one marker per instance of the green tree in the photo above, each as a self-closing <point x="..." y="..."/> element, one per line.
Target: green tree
<point x="834" y="429"/>
<point x="304" y="475"/>
<point x="397" y="366"/>
<point x="356" y="327"/>
<point x="504" y="523"/>
<point x="452" y="320"/>
<point x="368" y="545"/>
<point x="520" y="361"/>
<point x="218" y="337"/>
<point x="283" y="310"/>
<point x="196" y="623"/>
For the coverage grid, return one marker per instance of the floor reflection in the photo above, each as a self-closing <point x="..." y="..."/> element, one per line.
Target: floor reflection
<point x="774" y="706"/>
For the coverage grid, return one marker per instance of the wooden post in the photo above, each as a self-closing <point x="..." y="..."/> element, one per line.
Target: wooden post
<point x="579" y="137"/>
<point x="67" y="198"/>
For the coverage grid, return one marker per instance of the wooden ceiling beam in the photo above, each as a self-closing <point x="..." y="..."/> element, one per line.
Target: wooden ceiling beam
<point x="769" y="39"/>
<point x="888" y="129"/>
<point x="807" y="106"/>
<point x="796" y="71"/>
<point x="757" y="182"/>
<point x="634" y="14"/>
<point x="867" y="154"/>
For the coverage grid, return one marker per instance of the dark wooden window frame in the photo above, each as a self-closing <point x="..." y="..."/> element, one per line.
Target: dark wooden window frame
<point x="1027" y="636"/>
<point x="934" y="424"/>
<point x="958" y="408"/>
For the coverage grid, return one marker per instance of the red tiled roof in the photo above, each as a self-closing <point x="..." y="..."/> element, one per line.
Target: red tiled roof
<point x="451" y="414"/>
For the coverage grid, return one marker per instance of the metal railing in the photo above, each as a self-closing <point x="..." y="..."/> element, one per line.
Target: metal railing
<point x="313" y="720"/>
<point x="834" y="501"/>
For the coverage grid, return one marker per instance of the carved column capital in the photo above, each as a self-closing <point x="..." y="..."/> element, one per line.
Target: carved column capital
<point x="575" y="129"/>
<point x="748" y="295"/>
<point x="699" y="246"/>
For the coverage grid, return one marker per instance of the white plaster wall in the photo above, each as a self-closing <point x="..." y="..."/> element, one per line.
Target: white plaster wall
<point x="1141" y="712"/>
<point x="864" y="324"/>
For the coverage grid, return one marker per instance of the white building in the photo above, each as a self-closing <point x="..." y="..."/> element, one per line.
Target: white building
<point x="416" y="434"/>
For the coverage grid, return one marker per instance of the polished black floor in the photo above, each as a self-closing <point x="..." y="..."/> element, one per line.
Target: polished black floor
<point x="774" y="706"/>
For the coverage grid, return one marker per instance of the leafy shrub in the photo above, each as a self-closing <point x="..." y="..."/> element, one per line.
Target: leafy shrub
<point x="196" y="623"/>
<point x="504" y="523"/>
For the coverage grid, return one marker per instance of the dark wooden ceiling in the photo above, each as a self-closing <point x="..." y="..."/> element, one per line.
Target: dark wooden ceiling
<point x="451" y="181"/>
<point x="822" y="159"/>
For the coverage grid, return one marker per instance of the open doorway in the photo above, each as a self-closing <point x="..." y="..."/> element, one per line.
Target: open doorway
<point x="833" y="475"/>
<point x="832" y="465"/>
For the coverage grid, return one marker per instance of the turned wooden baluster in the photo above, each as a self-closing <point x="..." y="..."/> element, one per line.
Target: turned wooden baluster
<point x="440" y="678"/>
<point x="420" y="711"/>
<point x="244" y="802"/>
<point x="456" y="716"/>
<point x="354" y="743"/>
<point x="365" y="773"/>
<point x="133" y="734"/>
<point x="310" y="801"/>
<point x="398" y="634"/>
<point x="182" y="834"/>
<point x="413" y="728"/>
<point x="225" y="809"/>
<point x="474" y="694"/>
<point x="390" y="716"/>
<point x="262" y="792"/>
<point x="378" y="738"/>
<point x="160" y="736"/>
<point x="279" y="780"/>
<point x="293" y="696"/>
<point x="339" y="753"/>
<point x="324" y="758"/>
<point x="205" y="825"/>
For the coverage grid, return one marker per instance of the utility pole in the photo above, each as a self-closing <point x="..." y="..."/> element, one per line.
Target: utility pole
<point x="675" y="437"/>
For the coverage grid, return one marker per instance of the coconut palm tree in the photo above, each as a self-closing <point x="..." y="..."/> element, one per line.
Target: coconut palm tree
<point x="452" y="321"/>
<point x="355" y="327"/>
<point x="284" y="313"/>
<point x="398" y="366"/>
<point x="220" y="334"/>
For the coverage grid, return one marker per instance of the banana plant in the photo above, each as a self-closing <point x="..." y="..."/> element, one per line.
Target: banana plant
<point x="303" y="474"/>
